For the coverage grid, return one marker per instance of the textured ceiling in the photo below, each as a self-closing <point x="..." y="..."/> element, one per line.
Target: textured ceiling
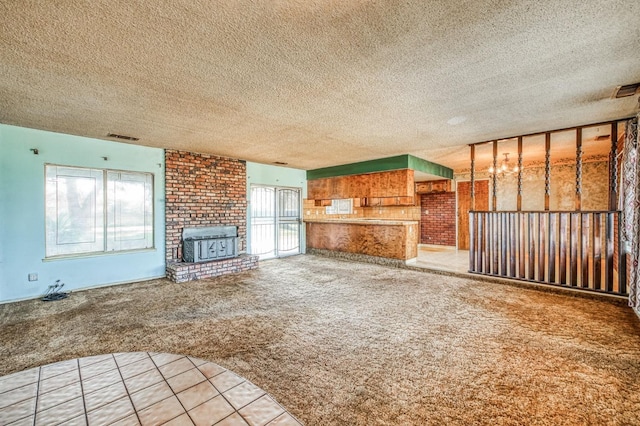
<point x="316" y="83"/>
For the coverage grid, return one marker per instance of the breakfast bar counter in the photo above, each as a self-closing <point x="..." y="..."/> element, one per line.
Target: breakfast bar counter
<point x="394" y="239"/>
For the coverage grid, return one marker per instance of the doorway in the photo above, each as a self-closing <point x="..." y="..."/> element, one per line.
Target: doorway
<point x="464" y="205"/>
<point x="275" y="221"/>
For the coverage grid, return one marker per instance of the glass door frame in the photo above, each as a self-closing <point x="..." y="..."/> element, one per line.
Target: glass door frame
<point x="276" y="218"/>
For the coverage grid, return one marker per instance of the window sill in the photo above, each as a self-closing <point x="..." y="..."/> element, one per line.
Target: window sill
<point x="97" y="254"/>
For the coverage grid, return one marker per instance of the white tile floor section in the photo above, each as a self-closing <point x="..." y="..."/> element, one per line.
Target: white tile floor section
<point x="135" y="388"/>
<point x="442" y="258"/>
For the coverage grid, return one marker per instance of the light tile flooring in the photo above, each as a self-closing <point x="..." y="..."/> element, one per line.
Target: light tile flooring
<point x="442" y="258"/>
<point x="136" y="388"/>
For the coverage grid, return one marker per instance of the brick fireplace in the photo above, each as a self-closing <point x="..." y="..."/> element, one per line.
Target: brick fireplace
<point x="202" y="191"/>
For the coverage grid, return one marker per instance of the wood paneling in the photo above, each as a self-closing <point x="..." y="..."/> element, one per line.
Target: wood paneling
<point x="395" y="183"/>
<point x="464" y="205"/>
<point x="389" y="201"/>
<point x="433" y="186"/>
<point x="391" y="241"/>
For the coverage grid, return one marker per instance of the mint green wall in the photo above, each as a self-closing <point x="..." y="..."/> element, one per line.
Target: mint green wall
<point x="22" y="233"/>
<point x="262" y="174"/>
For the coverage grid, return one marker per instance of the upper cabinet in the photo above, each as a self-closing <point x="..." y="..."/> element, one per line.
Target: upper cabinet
<point x="395" y="183"/>
<point x="427" y="187"/>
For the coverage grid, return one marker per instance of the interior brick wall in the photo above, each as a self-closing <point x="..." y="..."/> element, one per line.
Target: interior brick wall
<point x="438" y="218"/>
<point x="203" y="190"/>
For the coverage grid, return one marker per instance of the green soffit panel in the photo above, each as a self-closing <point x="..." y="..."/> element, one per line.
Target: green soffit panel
<point x="382" y="165"/>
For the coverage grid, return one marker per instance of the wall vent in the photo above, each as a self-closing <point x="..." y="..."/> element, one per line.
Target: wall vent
<point x="627" y="90"/>
<point x="122" y="137"/>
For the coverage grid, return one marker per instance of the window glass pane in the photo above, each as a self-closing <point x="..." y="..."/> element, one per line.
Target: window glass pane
<point x="483" y="167"/>
<point x="507" y="175"/>
<point x="263" y="223"/>
<point x="596" y="146"/>
<point x="129" y="211"/>
<point x="562" y="192"/>
<point x="289" y="203"/>
<point x="74" y="210"/>
<point x="533" y="172"/>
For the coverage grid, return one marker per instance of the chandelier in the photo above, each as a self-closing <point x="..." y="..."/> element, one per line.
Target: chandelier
<point x="505" y="167"/>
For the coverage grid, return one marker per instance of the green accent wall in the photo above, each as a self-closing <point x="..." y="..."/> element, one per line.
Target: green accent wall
<point x="420" y="165"/>
<point x="398" y="162"/>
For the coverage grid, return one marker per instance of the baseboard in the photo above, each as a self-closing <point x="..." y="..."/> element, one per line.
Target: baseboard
<point x="85" y="288"/>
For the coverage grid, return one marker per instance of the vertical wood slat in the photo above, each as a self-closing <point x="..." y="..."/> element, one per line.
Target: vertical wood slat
<point x="622" y="260"/>
<point x="542" y="232"/>
<point x="473" y="179"/>
<point x="578" y="196"/>
<point x="563" y="248"/>
<point x="494" y="182"/>
<point x="519" y="196"/>
<point x="487" y="245"/>
<point x="613" y="168"/>
<point x="503" y="250"/>
<point x="512" y="244"/>
<point x="574" y="235"/>
<point x="547" y="169"/>
<point x="597" y="253"/>
<point x="472" y="237"/>
<point x="584" y="251"/>
<point x="609" y="252"/>
<point x="484" y="243"/>
<point x="496" y="244"/>
<point x="496" y="240"/>
<point x="532" y="246"/>
<point x="479" y="249"/>
<point x="552" y="247"/>
<point x="574" y="248"/>
<point x="521" y="245"/>
<point x="489" y="239"/>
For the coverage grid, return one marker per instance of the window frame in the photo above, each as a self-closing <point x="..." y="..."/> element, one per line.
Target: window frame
<point x="148" y="180"/>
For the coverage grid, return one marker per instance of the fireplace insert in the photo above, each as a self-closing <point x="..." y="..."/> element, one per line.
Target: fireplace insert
<point x="209" y="243"/>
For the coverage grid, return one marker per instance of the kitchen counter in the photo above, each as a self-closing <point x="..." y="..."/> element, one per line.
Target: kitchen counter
<point x="394" y="239"/>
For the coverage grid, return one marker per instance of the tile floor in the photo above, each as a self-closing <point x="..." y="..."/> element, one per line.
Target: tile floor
<point x="136" y="388"/>
<point x="442" y="258"/>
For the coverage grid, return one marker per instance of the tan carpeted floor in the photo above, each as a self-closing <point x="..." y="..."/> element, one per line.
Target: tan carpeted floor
<point x="339" y="342"/>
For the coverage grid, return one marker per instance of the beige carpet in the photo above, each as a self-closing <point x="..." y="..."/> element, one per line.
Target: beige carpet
<point x="338" y="342"/>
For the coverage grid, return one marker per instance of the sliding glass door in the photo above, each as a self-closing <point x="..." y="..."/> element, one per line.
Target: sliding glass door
<point x="275" y="221"/>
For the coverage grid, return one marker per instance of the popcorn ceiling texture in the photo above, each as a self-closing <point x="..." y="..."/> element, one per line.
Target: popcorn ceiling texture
<point x="315" y="83"/>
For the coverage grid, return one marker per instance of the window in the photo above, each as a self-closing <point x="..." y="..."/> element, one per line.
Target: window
<point x="93" y="210"/>
<point x="340" y="206"/>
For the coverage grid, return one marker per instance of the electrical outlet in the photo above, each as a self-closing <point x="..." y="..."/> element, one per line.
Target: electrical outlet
<point x="33" y="277"/>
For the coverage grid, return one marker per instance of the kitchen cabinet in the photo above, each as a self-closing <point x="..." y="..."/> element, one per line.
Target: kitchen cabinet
<point x="430" y="186"/>
<point x="394" y="183"/>
<point x="389" y="201"/>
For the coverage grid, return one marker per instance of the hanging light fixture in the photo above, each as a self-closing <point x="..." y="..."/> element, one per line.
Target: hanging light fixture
<point x="505" y="167"/>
